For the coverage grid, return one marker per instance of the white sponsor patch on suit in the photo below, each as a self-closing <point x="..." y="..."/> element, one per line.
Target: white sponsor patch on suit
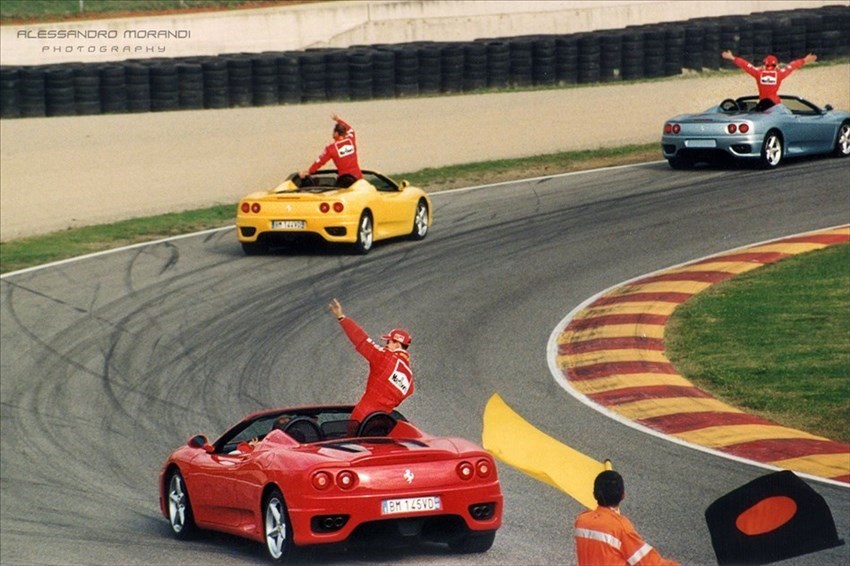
<point x="768" y="79"/>
<point x="401" y="377"/>
<point x="344" y="148"/>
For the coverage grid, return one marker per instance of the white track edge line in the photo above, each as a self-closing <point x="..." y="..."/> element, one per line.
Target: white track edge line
<point x="212" y="230"/>
<point x="114" y="250"/>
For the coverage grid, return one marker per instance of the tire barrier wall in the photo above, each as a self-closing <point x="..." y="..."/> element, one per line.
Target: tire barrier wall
<point x="419" y="68"/>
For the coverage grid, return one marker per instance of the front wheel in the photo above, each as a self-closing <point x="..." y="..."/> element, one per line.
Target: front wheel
<point x="277" y="528"/>
<point x="420" y="222"/>
<point x="365" y="234"/>
<point x="180" y="515"/>
<point x="771" y="150"/>
<point x="842" y="141"/>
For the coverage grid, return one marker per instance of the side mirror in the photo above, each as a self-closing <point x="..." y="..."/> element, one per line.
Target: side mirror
<point x="200" y="441"/>
<point x="828" y="108"/>
<point x="404" y="184"/>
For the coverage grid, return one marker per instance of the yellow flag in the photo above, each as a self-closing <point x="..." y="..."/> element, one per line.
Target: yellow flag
<point x="514" y="441"/>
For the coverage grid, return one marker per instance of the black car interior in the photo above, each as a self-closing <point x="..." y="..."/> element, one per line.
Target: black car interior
<point x="309" y="426"/>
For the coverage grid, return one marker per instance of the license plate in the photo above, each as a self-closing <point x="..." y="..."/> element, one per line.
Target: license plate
<point x="410" y="505"/>
<point x="288" y="224"/>
<point x="700" y="143"/>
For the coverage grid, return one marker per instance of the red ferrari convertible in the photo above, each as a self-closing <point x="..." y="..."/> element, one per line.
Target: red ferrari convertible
<point x="308" y="476"/>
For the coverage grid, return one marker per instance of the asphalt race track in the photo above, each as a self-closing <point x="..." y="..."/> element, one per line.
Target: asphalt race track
<point x="110" y="362"/>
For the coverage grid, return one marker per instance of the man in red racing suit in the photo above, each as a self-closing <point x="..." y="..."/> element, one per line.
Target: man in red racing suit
<point x="770" y="76"/>
<point x="343" y="152"/>
<point x="390" y="378"/>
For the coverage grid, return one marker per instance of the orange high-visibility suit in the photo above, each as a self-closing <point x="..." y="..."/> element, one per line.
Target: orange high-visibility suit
<point x="606" y="538"/>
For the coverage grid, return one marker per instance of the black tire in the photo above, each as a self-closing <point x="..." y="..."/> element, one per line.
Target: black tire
<point x="473" y="542"/>
<point x="365" y="234"/>
<point x="277" y="528"/>
<point x="180" y="515"/>
<point x="771" y="150"/>
<point x="842" y="140"/>
<point x="420" y="222"/>
<point x="254" y="248"/>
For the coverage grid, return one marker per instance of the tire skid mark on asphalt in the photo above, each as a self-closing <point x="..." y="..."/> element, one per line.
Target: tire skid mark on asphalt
<point x="610" y="354"/>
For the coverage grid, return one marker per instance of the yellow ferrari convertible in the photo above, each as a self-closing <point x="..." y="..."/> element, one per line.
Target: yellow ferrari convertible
<point x="372" y="208"/>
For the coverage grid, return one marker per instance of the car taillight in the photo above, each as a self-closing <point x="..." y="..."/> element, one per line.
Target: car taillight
<point x="255" y="208"/>
<point x="465" y="470"/>
<point x="672" y="128"/>
<point x="321" y="480"/>
<point x="668" y="129"/>
<point x="324" y="207"/>
<point x="483" y="468"/>
<point x="338" y="207"/>
<point x="731" y="128"/>
<point x="346" y="479"/>
<point x="744" y="128"/>
<point x="246" y="208"/>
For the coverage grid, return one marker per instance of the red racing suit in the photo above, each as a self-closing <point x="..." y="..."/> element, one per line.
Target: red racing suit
<point x="343" y="153"/>
<point x="606" y="538"/>
<point x="769" y="80"/>
<point x="390" y="378"/>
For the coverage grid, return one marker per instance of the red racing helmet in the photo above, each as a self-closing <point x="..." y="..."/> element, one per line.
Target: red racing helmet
<point x="771" y="61"/>
<point x="399" y="335"/>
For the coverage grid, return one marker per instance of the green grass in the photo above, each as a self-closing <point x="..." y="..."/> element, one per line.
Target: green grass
<point x="38" y="250"/>
<point x="774" y="342"/>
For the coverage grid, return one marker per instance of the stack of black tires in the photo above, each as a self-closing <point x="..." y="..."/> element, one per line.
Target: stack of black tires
<point x="422" y="68"/>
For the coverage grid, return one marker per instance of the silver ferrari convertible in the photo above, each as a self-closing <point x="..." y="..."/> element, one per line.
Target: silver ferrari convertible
<point x="736" y="128"/>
